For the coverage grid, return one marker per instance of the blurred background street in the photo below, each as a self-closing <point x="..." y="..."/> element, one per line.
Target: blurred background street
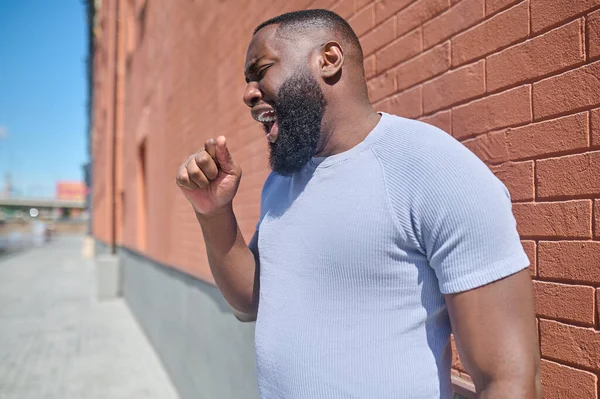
<point x="57" y="341"/>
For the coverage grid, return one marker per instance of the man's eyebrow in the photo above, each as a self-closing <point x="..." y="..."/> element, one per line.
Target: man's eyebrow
<point x="252" y="66"/>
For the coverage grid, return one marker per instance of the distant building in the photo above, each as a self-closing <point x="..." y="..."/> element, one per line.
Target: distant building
<point x="71" y="190"/>
<point x="43" y="208"/>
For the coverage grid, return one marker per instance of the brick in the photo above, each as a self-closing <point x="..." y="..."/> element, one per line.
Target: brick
<point x="370" y="68"/>
<point x="564" y="382"/>
<point x="344" y="8"/>
<point x="597" y="307"/>
<point x="530" y="249"/>
<point x="456" y="363"/>
<point x="490" y="148"/>
<point x="361" y="3"/>
<point x="571" y="303"/>
<point x="569" y="176"/>
<point x="567" y="219"/>
<point x="568" y="92"/>
<point x="548" y="13"/>
<point x="597" y="218"/>
<point x="399" y="50"/>
<point x="381" y="106"/>
<point x="425" y="66"/>
<point x="577" y="345"/>
<point x="323" y="3"/>
<point x="518" y="179"/>
<point x="593" y="35"/>
<point x="509" y="108"/>
<point x="382" y="86"/>
<point x="551" y="52"/>
<point x="454" y="87"/>
<point x="418" y="13"/>
<point x="363" y="21"/>
<point x="549" y="137"/>
<point x="569" y="260"/>
<point x="386" y="8"/>
<point x="378" y="37"/>
<point x="502" y="30"/>
<point x="442" y="120"/>
<point x="493" y="6"/>
<point x="467" y="378"/>
<point x="595" y="127"/>
<point x="406" y="104"/>
<point x="460" y="17"/>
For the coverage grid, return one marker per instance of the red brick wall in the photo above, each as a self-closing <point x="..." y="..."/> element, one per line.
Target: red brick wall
<point x="107" y="118"/>
<point x="517" y="81"/>
<point x="103" y="56"/>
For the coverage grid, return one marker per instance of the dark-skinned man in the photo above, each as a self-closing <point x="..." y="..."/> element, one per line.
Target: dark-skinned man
<point x="378" y="236"/>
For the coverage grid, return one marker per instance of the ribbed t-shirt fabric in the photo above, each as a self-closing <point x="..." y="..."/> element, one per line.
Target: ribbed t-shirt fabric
<point x="356" y="253"/>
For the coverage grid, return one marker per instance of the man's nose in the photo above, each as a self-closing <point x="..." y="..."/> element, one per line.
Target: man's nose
<point x="252" y="95"/>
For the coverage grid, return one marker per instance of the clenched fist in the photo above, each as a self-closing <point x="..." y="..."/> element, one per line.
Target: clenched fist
<point x="210" y="178"/>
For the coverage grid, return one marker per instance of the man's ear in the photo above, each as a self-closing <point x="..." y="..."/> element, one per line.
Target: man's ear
<point x="332" y="59"/>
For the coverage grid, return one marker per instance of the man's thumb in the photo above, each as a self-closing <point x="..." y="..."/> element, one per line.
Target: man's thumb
<point x="226" y="162"/>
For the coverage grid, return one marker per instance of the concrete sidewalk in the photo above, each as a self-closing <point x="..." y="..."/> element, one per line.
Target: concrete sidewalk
<point x="58" y="341"/>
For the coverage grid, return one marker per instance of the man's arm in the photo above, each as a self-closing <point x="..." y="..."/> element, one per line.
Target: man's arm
<point x="209" y="179"/>
<point x="234" y="265"/>
<point x="494" y="329"/>
<point x="462" y="220"/>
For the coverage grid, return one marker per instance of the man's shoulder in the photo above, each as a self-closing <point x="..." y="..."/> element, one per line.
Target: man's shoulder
<point x="412" y="142"/>
<point x="416" y="153"/>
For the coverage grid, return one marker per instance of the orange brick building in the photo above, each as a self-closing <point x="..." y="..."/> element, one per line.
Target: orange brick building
<point x="71" y="190"/>
<point x="516" y="81"/>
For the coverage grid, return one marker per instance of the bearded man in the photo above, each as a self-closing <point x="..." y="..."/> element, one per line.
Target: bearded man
<point x="378" y="236"/>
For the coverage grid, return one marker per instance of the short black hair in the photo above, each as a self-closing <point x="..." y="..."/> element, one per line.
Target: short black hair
<point x="314" y="19"/>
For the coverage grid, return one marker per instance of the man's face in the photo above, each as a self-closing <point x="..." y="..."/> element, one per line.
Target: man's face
<point x="286" y="98"/>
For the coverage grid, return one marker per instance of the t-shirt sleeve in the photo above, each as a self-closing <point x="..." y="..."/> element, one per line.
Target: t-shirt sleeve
<point x="463" y="222"/>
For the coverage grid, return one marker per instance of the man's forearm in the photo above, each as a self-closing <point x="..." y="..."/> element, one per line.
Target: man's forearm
<point x="232" y="263"/>
<point x="503" y="389"/>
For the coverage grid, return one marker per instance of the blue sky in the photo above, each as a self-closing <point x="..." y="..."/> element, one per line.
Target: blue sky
<point x="43" y="93"/>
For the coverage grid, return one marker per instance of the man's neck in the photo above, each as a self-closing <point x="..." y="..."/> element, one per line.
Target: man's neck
<point x="346" y="127"/>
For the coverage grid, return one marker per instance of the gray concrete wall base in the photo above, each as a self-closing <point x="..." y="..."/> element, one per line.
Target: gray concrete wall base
<point x="108" y="277"/>
<point x="206" y="351"/>
<point x="100" y="248"/>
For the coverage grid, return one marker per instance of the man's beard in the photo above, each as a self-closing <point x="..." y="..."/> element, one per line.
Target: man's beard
<point x="299" y="107"/>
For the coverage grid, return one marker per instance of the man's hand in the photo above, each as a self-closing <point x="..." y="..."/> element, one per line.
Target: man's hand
<point x="210" y="178"/>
